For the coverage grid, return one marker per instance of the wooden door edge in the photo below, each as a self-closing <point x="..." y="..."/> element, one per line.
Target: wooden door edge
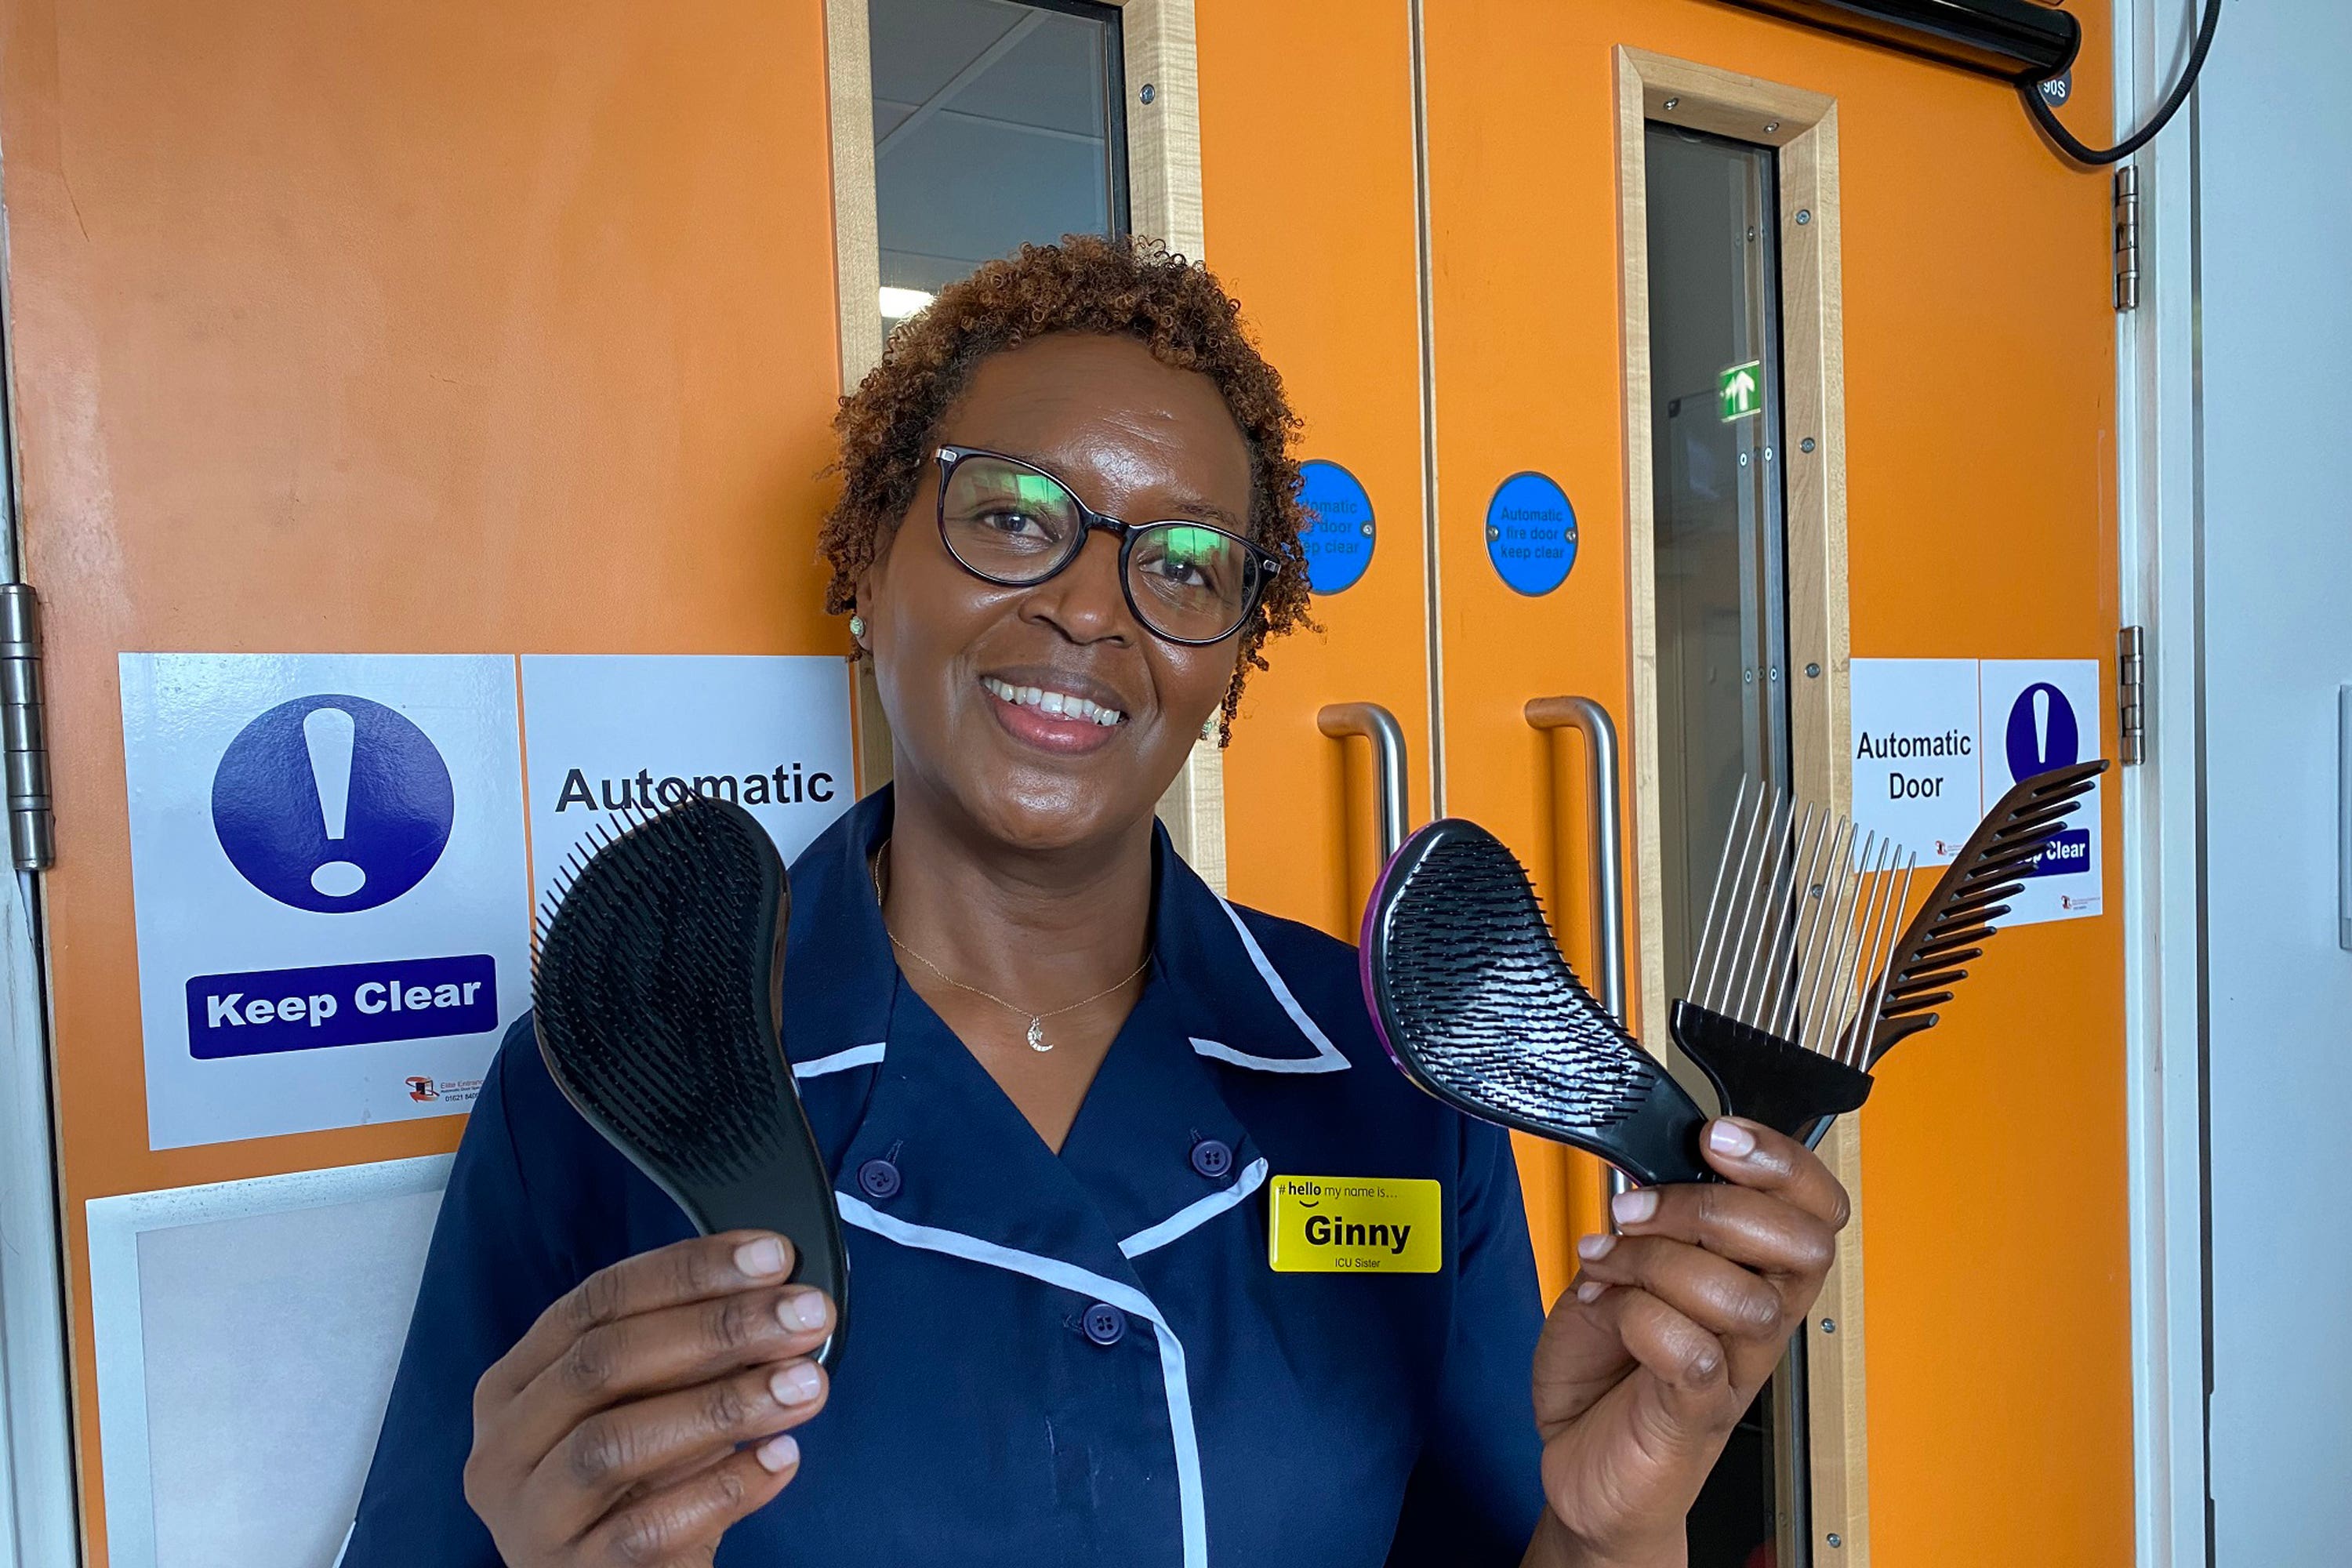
<point x="1803" y="126"/>
<point x="1164" y="202"/>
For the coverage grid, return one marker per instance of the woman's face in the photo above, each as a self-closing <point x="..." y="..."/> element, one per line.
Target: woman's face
<point x="1135" y="440"/>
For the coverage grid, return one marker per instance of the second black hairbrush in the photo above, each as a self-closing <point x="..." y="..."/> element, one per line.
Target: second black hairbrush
<point x="655" y="999"/>
<point x="1473" y="1000"/>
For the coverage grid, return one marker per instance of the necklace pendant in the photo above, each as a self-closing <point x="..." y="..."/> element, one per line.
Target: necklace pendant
<point x="1037" y="1041"/>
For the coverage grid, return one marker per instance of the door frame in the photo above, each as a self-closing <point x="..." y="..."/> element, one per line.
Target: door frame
<point x="2159" y="541"/>
<point x="1802" y="126"/>
<point x="40" y="1519"/>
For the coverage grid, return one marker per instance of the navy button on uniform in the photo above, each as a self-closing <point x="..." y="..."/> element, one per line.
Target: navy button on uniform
<point x="1248" y="1056"/>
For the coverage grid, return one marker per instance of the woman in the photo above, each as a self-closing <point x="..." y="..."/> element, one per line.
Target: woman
<point x="1051" y="1070"/>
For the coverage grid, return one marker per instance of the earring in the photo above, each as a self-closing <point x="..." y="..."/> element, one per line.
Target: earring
<point x="857" y="625"/>
<point x="1209" y="727"/>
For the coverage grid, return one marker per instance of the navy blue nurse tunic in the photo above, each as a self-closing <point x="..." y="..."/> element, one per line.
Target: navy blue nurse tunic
<point x="1053" y="1359"/>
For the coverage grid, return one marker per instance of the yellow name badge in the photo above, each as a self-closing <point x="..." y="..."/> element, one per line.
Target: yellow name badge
<point x="1355" y="1224"/>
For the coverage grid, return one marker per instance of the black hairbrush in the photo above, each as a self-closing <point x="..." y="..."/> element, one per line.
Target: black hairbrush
<point x="656" y="999"/>
<point x="1473" y="1001"/>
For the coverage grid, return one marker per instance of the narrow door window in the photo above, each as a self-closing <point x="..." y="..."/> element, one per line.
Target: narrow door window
<point x="1722" y="637"/>
<point x="995" y="123"/>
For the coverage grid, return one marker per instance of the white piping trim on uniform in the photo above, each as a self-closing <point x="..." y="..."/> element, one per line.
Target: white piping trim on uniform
<point x="1328" y="1058"/>
<point x="345" y="1549"/>
<point x="841" y="1061"/>
<point x="1194" y="1215"/>
<point x="1223" y="1052"/>
<point x="1191" y="1505"/>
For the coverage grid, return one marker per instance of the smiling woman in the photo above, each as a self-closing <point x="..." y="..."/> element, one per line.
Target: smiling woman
<point x="1069" y="526"/>
<point x="1135" y="295"/>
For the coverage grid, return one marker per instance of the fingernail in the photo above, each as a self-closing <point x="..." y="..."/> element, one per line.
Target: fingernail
<point x="1633" y="1208"/>
<point x="1589" y="1291"/>
<point x="796" y="1384"/>
<point x="1593" y="1248"/>
<point x="761" y="1259"/>
<point x="779" y="1453"/>
<point x="801" y="1309"/>
<point x="1730" y="1138"/>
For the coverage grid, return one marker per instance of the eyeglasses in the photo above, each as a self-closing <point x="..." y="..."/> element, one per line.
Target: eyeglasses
<point x="1012" y="523"/>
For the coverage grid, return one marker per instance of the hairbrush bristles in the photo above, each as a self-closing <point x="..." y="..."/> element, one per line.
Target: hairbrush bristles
<point x="654" y="999"/>
<point x="1474" y="1002"/>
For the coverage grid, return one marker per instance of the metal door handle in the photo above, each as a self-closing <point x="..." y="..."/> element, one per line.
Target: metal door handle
<point x="1592" y="720"/>
<point x="1377" y="725"/>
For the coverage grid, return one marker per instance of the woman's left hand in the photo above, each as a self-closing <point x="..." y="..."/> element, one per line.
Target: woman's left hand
<point x="1653" y="1355"/>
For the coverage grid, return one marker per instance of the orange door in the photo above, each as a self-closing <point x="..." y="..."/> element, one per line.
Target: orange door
<point x="1969" y="271"/>
<point x="389" y="327"/>
<point x="1308" y="217"/>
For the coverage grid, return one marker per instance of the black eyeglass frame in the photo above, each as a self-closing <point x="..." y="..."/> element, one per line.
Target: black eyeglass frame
<point x="1269" y="566"/>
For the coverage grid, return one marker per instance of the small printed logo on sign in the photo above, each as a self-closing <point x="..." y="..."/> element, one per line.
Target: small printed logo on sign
<point x="1355" y="1224"/>
<point x="273" y="1010"/>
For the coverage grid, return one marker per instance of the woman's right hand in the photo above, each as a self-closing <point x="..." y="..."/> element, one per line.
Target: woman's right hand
<point x="611" y="1432"/>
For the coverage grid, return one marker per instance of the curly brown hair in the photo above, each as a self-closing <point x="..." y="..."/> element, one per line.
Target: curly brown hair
<point x="1086" y="284"/>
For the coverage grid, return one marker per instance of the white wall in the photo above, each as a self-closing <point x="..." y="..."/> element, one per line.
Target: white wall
<point x="2273" y="239"/>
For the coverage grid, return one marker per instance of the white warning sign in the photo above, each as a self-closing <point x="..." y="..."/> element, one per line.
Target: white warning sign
<point x="331" y="859"/>
<point x="1937" y="740"/>
<point x="327" y="867"/>
<point x="608" y="732"/>
<point x="2040" y="714"/>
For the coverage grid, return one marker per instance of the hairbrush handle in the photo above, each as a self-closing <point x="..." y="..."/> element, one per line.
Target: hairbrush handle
<point x="793" y="1193"/>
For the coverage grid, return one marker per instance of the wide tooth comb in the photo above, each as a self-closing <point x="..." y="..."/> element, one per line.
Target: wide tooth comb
<point x="1968" y="896"/>
<point x="1474" y="1004"/>
<point x="1803" y="910"/>
<point x="654" y="995"/>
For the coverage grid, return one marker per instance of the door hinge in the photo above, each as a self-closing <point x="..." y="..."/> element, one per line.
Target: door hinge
<point x="2131" y="694"/>
<point x="32" y="830"/>
<point x="2126" y="238"/>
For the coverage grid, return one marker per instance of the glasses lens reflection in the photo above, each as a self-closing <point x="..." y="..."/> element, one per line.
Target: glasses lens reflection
<point x="1191" y="581"/>
<point x="1009" y="522"/>
<point x="1017" y="525"/>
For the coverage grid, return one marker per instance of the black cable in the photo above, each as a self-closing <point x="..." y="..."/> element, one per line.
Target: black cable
<point x="2039" y="107"/>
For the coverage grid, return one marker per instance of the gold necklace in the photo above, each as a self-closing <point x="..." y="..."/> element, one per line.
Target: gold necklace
<point x="1036" y="1036"/>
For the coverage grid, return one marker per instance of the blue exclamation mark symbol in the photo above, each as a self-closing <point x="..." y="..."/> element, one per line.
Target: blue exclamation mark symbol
<point x="333" y="802"/>
<point x="328" y="734"/>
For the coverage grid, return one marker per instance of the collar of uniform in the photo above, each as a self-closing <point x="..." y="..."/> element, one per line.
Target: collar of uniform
<point x="1237" y="1007"/>
<point x="839" y="972"/>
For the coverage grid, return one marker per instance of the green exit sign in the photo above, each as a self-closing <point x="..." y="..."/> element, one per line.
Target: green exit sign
<point x="1739" y="391"/>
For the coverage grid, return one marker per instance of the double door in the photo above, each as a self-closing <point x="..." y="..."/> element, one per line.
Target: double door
<point x="1512" y="251"/>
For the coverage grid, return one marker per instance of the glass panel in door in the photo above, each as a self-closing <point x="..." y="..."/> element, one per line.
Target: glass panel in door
<point x="1722" y="645"/>
<point x="995" y="123"/>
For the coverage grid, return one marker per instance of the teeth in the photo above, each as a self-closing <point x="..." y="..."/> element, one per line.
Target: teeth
<point x="1061" y="704"/>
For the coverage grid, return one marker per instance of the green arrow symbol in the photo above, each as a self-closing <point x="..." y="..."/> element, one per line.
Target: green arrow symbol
<point x="1736" y="390"/>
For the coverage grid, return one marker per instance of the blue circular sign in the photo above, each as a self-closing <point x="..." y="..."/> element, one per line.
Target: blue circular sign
<point x="332" y="804"/>
<point x="2041" y="736"/>
<point x="1339" y="534"/>
<point x="1531" y="533"/>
